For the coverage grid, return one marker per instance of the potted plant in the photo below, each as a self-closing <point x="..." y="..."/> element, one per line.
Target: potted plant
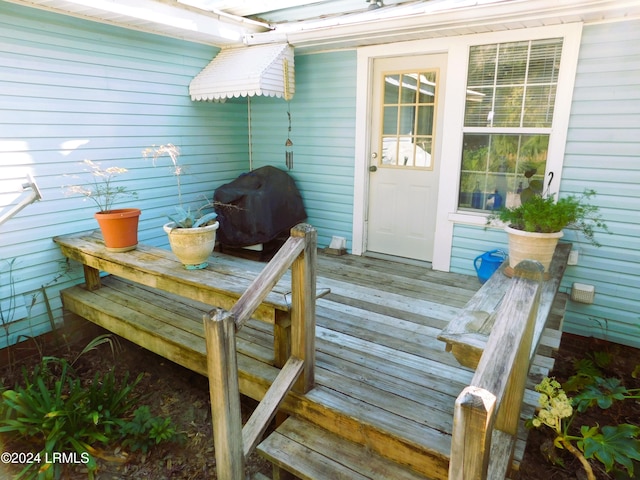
<point x="535" y="226"/>
<point x="119" y="226"/>
<point x="192" y="233"/>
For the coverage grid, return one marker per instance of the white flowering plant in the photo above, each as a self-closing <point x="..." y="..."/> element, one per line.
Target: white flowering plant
<point x="184" y="217"/>
<point x="102" y="190"/>
<point x="611" y="445"/>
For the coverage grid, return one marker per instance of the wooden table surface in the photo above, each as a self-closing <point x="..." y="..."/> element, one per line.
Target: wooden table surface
<point x="220" y="284"/>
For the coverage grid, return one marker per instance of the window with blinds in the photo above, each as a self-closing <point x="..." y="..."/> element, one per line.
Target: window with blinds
<point x="510" y="98"/>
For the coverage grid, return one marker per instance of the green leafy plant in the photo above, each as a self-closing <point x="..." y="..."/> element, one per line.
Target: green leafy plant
<point x="543" y="214"/>
<point x="57" y="412"/>
<point x="188" y="219"/>
<point x="102" y="190"/>
<point x="145" y="430"/>
<point x="611" y="445"/>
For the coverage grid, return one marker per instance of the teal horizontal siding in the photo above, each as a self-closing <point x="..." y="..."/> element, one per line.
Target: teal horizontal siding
<point x="602" y="153"/>
<point x="469" y="242"/>
<point x="72" y="90"/>
<point x="322" y="131"/>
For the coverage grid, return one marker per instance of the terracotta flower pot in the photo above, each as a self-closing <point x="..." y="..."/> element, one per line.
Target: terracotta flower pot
<point x="192" y="246"/>
<point x="119" y="228"/>
<point x="531" y="246"/>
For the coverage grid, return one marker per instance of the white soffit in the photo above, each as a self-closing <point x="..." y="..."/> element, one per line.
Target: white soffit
<point x="266" y="70"/>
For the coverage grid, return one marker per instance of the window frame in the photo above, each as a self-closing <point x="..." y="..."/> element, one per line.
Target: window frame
<point x="515" y="131"/>
<point x="557" y="132"/>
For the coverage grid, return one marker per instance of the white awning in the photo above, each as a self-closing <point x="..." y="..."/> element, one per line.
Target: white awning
<point x="246" y="71"/>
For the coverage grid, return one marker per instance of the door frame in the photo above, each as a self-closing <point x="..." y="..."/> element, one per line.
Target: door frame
<point x="457" y="50"/>
<point x="364" y="109"/>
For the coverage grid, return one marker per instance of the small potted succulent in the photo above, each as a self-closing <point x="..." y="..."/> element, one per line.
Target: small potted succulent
<point x="119" y="226"/>
<point x="192" y="233"/>
<point x="536" y="225"/>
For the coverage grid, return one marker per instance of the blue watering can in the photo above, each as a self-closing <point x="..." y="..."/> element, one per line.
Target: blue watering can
<point x="489" y="262"/>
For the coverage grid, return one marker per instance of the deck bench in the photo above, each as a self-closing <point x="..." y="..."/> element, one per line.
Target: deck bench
<point x="163" y="323"/>
<point x="466" y="335"/>
<point x="137" y="300"/>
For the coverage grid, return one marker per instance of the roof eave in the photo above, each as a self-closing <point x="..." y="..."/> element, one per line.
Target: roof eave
<point x="213" y="28"/>
<point x="413" y="22"/>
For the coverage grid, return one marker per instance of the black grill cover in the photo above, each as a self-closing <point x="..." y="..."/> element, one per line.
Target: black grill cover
<point x="257" y="207"/>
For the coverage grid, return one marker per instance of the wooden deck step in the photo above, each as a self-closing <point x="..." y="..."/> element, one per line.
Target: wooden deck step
<point x="170" y="326"/>
<point x="312" y="453"/>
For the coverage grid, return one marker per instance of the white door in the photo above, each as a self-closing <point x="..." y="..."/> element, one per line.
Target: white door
<point x="404" y="165"/>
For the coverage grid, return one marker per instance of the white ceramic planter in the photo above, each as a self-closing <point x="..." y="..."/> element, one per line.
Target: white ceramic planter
<point x="531" y="246"/>
<point x="192" y="246"/>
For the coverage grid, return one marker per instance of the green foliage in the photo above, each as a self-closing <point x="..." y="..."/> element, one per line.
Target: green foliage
<point x="144" y="430"/>
<point x="56" y="412"/>
<point x="613" y="446"/>
<point x="185" y="218"/>
<point x="587" y="370"/>
<point x="602" y="394"/>
<point x="543" y="214"/>
<point x="51" y="409"/>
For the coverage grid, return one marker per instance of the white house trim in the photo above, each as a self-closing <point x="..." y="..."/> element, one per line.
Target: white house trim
<point x="457" y="50"/>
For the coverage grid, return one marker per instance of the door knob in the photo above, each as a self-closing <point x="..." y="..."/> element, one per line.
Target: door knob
<point x="373" y="168"/>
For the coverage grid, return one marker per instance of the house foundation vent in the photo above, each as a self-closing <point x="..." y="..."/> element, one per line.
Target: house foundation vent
<point x="582" y="293"/>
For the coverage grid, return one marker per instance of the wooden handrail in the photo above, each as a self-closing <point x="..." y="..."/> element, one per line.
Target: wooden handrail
<point x="233" y="444"/>
<point x="264" y="283"/>
<point x="487" y="412"/>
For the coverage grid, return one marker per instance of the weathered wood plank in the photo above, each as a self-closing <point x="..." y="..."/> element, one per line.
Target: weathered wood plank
<point x="266" y="410"/>
<point x="467" y="333"/>
<point x="313" y="453"/>
<point x="222" y="370"/>
<point x="473" y="426"/>
<point x="217" y="285"/>
<point x="163" y="332"/>
<point x="423" y="287"/>
<point x="262" y="285"/>
<point x="303" y="305"/>
<point x="372" y="296"/>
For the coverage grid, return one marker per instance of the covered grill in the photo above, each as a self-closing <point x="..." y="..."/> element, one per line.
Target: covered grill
<point x="257" y="207"/>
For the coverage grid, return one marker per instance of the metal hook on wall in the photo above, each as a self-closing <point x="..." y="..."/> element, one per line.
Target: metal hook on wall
<point x="33" y="197"/>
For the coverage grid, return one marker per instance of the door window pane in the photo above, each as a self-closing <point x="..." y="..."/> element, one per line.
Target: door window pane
<point x="408" y="119"/>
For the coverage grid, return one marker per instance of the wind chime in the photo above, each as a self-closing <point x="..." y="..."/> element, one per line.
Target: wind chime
<point x="288" y="145"/>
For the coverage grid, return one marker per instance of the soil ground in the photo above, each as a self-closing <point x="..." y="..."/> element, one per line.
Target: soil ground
<point x="171" y="390"/>
<point x="622" y="362"/>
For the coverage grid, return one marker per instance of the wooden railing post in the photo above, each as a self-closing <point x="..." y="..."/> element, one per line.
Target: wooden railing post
<point x="471" y="437"/>
<point x="303" y="306"/>
<point x="222" y="368"/>
<point x="489" y="408"/>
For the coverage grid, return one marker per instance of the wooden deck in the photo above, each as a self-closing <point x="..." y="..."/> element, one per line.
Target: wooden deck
<point x="379" y="359"/>
<point x="383" y="379"/>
